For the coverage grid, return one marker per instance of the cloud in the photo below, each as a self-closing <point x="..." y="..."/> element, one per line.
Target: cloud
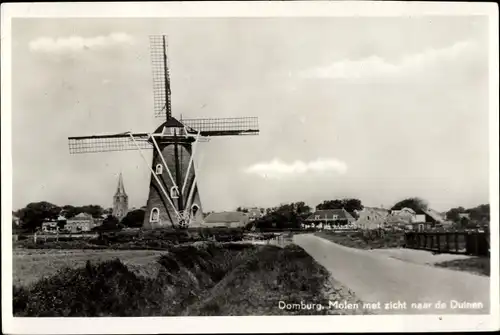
<point x="78" y="43"/>
<point x="278" y="169"/>
<point x="375" y="66"/>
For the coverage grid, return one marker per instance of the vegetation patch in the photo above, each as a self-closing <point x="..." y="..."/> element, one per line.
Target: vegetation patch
<point x="276" y="277"/>
<point x="476" y="265"/>
<point x="365" y="239"/>
<point x="202" y="279"/>
<point x="136" y="239"/>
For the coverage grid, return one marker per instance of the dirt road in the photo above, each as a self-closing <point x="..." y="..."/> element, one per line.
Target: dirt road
<point x="375" y="277"/>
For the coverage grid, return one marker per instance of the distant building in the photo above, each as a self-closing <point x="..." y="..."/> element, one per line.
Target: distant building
<point x="325" y="218"/>
<point x="226" y="219"/>
<point x="49" y="226"/>
<point x="415" y="220"/>
<point x="371" y="218"/>
<point x="16" y="221"/>
<point x="120" y="200"/>
<point x="254" y="214"/>
<point x="80" y="223"/>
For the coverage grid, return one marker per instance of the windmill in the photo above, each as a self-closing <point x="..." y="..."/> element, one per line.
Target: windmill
<point x="173" y="199"/>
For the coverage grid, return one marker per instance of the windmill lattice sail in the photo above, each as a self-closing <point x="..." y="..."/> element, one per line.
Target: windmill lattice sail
<point x="106" y="143"/>
<point x="223" y="126"/>
<point x="161" y="77"/>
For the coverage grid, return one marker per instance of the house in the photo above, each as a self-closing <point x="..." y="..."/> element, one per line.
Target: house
<point x="371" y="218"/>
<point x="403" y="217"/>
<point x="329" y="217"/>
<point x="254" y="214"/>
<point x="80" y="223"/>
<point x="16" y="221"/>
<point x="433" y="216"/>
<point x="49" y="226"/>
<point x="226" y="219"/>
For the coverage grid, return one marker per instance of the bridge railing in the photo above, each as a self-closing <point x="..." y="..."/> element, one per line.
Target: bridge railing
<point x="464" y="242"/>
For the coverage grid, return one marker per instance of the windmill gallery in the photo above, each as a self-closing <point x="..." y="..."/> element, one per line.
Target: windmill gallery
<point x="174" y="199"/>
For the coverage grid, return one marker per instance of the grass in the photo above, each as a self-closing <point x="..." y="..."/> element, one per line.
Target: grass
<point x="32" y="265"/>
<point x="137" y="239"/>
<point x="207" y="279"/>
<point x="364" y="239"/>
<point x="476" y="265"/>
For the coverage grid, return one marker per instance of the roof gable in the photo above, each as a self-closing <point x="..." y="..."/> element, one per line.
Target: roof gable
<point x="82" y="216"/>
<point x="329" y="214"/>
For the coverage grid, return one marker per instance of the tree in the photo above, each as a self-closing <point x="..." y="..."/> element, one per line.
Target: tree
<point x="480" y="213"/>
<point x="242" y="209"/>
<point x="35" y="213"/>
<point x="110" y="223"/>
<point x="417" y="204"/>
<point x="94" y="210"/>
<point x="452" y="214"/>
<point x="349" y="204"/>
<point x="134" y="218"/>
<point x="352" y="205"/>
<point x="70" y="211"/>
<point x="330" y="204"/>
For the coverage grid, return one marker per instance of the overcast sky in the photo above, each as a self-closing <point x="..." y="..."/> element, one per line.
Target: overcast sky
<point x="374" y="108"/>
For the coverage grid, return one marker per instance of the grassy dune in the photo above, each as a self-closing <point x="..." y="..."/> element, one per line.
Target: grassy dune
<point x="208" y="279"/>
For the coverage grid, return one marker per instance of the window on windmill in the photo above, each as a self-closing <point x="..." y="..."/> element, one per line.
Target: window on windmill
<point x="194" y="209"/>
<point x="159" y="169"/>
<point x="168" y="131"/>
<point x="174" y="192"/>
<point x="155" y="215"/>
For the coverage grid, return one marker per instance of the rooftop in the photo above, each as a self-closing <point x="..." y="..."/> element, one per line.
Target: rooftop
<point x="226" y="217"/>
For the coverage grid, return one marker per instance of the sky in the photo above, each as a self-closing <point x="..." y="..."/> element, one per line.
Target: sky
<point x="374" y="108"/>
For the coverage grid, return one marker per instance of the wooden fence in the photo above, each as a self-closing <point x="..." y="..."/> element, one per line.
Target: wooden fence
<point x="468" y="243"/>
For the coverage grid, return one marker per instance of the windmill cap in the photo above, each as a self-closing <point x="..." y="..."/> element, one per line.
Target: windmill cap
<point x="170" y="123"/>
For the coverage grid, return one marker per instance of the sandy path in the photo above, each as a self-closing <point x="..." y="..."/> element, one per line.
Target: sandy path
<point x="375" y="277"/>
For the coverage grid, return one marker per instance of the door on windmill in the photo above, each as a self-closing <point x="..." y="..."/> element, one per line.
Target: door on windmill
<point x="174" y="192"/>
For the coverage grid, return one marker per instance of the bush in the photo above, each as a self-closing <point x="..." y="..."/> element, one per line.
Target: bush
<point x="111" y="289"/>
<point x="366" y="239"/>
<point x="108" y="288"/>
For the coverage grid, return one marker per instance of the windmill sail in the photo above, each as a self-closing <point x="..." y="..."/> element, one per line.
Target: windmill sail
<point x="223" y="126"/>
<point x="161" y="77"/>
<point x="105" y="143"/>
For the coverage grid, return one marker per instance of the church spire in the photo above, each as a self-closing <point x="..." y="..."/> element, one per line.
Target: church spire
<point x="120" y="189"/>
<point x="120" y="200"/>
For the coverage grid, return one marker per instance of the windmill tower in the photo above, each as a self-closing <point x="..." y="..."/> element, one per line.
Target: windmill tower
<point x="120" y="200"/>
<point x="174" y="198"/>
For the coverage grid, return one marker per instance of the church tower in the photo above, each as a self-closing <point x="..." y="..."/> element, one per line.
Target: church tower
<point x="120" y="200"/>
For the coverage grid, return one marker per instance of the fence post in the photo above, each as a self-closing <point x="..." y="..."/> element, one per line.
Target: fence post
<point x="447" y="236"/>
<point x="438" y="237"/>
<point x="476" y="244"/>
<point x="456" y="241"/>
